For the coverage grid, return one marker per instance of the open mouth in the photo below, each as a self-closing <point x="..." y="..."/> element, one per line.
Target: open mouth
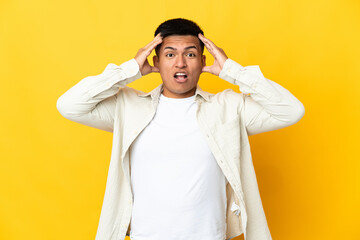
<point x="180" y="76"/>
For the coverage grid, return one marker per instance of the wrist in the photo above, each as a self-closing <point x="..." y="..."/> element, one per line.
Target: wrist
<point x="222" y="64"/>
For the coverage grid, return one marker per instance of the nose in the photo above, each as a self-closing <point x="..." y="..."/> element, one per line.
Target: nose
<point x="180" y="62"/>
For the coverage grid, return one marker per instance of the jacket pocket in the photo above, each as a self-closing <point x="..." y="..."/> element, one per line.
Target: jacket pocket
<point x="229" y="139"/>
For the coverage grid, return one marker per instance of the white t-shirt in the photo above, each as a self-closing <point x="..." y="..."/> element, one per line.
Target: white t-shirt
<point x="179" y="189"/>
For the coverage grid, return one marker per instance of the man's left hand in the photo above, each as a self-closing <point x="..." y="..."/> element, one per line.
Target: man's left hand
<point x="218" y="54"/>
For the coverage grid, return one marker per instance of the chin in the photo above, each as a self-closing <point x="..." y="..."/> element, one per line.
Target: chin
<point x="181" y="90"/>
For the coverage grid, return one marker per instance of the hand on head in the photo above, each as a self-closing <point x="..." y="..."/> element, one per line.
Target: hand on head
<point x="218" y="54"/>
<point x="143" y="53"/>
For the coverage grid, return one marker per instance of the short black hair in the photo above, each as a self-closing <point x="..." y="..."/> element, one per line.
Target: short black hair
<point x="178" y="26"/>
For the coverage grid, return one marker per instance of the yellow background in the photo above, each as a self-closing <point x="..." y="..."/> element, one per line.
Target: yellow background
<point x="53" y="171"/>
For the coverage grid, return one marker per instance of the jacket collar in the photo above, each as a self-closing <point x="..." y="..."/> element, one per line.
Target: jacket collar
<point x="155" y="93"/>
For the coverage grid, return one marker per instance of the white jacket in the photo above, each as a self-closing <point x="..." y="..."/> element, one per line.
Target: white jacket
<point x="226" y="119"/>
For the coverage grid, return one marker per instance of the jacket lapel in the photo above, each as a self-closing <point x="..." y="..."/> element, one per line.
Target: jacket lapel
<point x="139" y="113"/>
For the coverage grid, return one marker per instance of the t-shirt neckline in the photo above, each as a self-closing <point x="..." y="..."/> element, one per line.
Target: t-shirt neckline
<point x="177" y="100"/>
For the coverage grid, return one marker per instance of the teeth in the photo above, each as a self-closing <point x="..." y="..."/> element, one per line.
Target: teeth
<point x="180" y="74"/>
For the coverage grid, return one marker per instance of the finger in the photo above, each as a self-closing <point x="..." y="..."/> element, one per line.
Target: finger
<point x="153" y="45"/>
<point x="210" y="47"/>
<point x="146" y="51"/>
<point x="158" y="35"/>
<point x="143" y="53"/>
<point x="209" y="41"/>
<point x="206" y="41"/>
<point x="157" y="39"/>
<point x="207" y="69"/>
<point x="202" y="38"/>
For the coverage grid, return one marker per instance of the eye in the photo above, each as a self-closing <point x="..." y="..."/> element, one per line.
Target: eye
<point x="190" y="55"/>
<point x="169" y="55"/>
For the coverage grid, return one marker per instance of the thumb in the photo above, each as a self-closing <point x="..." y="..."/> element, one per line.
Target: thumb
<point x="155" y="69"/>
<point x="206" y="69"/>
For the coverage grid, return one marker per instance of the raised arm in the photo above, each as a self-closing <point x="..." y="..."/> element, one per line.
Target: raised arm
<point x="92" y="101"/>
<point x="267" y="105"/>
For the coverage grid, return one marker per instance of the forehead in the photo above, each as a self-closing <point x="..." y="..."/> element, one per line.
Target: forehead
<point x="179" y="42"/>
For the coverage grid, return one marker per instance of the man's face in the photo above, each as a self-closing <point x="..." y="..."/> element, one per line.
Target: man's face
<point x="180" y="62"/>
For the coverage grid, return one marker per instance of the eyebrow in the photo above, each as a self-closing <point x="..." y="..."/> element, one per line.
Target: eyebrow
<point x="189" y="47"/>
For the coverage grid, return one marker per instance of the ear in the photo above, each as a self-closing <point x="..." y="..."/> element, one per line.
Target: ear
<point x="156" y="61"/>
<point x="203" y="60"/>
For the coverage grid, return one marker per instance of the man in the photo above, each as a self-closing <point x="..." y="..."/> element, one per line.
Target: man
<point x="181" y="165"/>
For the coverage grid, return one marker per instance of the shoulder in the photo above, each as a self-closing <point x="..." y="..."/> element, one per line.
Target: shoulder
<point x="228" y="97"/>
<point x="223" y="106"/>
<point x="130" y="93"/>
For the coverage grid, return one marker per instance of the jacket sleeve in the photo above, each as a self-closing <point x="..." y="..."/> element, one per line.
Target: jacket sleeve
<point x="92" y="101"/>
<point x="267" y="105"/>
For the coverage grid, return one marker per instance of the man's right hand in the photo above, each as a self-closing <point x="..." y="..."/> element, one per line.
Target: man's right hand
<point x="143" y="53"/>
